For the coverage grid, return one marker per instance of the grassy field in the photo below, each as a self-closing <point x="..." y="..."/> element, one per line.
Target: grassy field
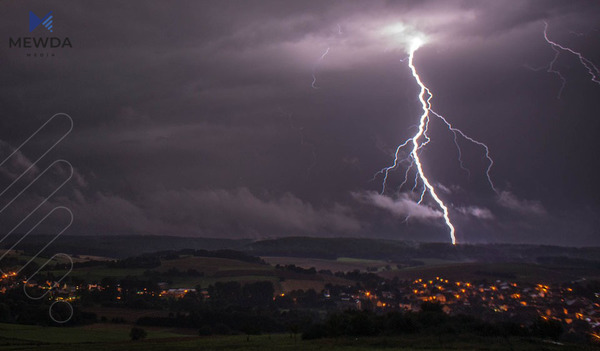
<point x="127" y="314"/>
<point x="220" y="269"/>
<point x="109" y="337"/>
<point x="23" y="259"/>
<point x="211" y="265"/>
<point x="44" y="258"/>
<point x="92" y="274"/>
<point x="215" y="270"/>
<point x="98" y="333"/>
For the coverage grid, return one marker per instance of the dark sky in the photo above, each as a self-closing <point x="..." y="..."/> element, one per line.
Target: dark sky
<point x="199" y="118"/>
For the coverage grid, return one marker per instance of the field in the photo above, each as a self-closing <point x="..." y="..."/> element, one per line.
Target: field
<point x="22" y="337"/>
<point x="108" y="338"/>
<point x="97" y="273"/>
<point x="220" y="269"/>
<point x="128" y="315"/>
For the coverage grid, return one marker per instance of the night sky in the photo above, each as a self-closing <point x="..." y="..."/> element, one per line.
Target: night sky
<point x="224" y="119"/>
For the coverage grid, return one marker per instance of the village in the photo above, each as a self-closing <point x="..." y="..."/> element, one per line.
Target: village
<point x="500" y="300"/>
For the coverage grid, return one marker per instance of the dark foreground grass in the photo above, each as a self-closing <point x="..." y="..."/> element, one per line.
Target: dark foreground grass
<point x="111" y="337"/>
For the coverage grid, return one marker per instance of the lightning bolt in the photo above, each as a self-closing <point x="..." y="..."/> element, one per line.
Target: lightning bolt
<point x="423" y="124"/>
<point x="314" y="73"/>
<point x="589" y="65"/>
<point x="420" y="139"/>
<point x="322" y="57"/>
<point x="457" y="132"/>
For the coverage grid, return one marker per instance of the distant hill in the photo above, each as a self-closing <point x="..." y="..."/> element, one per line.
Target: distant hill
<point x="392" y="250"/>
<point x="331" y="248"/>
<point x="120" y="246"/>
<point x="311" y="247"/>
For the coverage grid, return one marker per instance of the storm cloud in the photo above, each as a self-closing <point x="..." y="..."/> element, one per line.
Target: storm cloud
<point x="200" y="118"/>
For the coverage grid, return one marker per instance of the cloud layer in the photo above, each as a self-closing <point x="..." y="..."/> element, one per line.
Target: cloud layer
<point x="199" y="118"/>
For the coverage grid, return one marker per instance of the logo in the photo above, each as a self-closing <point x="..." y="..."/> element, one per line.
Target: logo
<point x="35" y="21"/>
<point x="40" y="45"/>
